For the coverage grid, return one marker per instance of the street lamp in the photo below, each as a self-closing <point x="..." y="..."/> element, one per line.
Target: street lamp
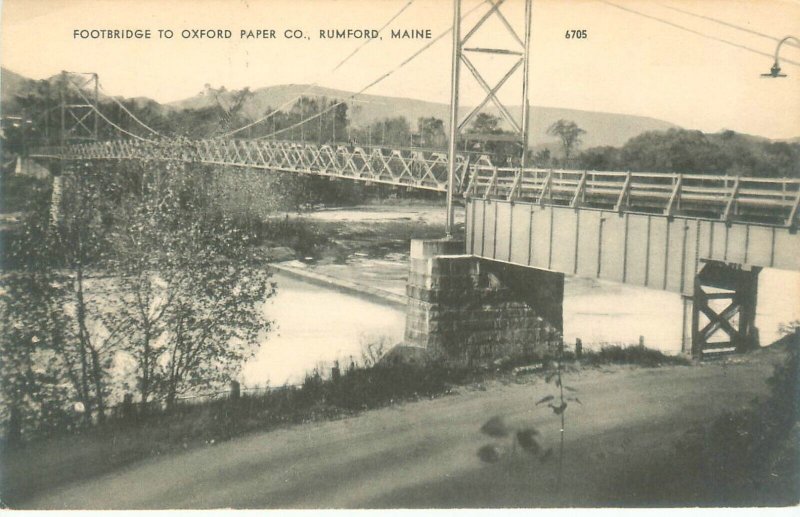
<point x="775" y="71"/>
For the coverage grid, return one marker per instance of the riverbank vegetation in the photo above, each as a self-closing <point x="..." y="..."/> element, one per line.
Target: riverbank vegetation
<point x="681" y="150"/>
<point x="746" y="456"/>
<point x="131" y="433"/>
<point x="134" y="284"/>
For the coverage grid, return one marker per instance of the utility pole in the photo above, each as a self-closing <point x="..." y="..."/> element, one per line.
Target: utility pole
<point x="521" y="49"/>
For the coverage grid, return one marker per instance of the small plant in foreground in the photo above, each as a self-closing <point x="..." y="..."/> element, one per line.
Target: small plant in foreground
<point x="526" y="437"/>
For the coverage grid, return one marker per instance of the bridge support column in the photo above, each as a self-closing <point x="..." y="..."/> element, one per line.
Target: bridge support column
<point x="686" y="324"/>
<point x="724" y="309"/>
<point x="473" y="311"/>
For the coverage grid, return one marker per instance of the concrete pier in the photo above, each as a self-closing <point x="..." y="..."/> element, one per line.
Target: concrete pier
<point x="469" y="310"/>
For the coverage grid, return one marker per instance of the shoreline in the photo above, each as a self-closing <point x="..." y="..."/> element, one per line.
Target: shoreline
<point x="375" y="294"/>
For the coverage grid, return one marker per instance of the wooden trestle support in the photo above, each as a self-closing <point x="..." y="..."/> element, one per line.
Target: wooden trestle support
<point x="724" y="309"/>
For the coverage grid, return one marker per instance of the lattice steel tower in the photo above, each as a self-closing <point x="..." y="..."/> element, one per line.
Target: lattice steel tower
<point x="79" y="118"/>
<point x="519" y="47"/>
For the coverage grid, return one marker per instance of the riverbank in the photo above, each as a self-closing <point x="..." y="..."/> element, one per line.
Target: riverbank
<point x="299" y="270"/>
<point x="123" y="439"/>
<point x="623" y="447"/>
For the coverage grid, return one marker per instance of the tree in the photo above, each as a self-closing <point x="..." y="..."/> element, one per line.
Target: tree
<point x="391" y="132"/>
<point x="569" y="133"/>
<point x="604" y="158"/>
<point x="542" y="158"/>
<point x="485" y="128"/>
<point x="52" y="353"/>
<point x="189" y="293"/>
<point x="675" y="150"/>
<point x="33" y="328"/>
<point x="431" y="131"/>
<point x="485" y="123"/>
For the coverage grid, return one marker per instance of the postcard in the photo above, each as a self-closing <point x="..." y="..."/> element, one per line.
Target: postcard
<point x="399" y="254"/>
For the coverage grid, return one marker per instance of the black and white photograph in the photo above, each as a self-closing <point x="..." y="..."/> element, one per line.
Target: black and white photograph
<point x="399" y="254"/>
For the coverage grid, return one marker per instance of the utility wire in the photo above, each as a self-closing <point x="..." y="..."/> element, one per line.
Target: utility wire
<point x="126" y="110"/>
<point x="727" y="24"/>
<point x="698" y="33"/>
<point x="376" y="81"/>
<point x="316" y="83"/>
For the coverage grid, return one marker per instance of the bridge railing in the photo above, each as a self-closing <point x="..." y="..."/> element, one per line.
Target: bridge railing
<point x="411" y="167"/>
<point x="771" y="201"/>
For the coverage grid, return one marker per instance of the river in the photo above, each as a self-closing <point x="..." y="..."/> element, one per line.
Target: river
<point x="317" y="325"/>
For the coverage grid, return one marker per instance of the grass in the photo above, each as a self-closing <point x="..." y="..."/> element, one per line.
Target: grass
<point x="751" y="457"/>
<point x="51" y="461"/>
<point x="636" y="354"/>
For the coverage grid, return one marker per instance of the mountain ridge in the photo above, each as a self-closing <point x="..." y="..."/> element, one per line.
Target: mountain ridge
<point x="602" y="128"/>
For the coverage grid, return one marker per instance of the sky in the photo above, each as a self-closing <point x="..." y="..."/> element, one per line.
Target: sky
<point x="628" y="63"/>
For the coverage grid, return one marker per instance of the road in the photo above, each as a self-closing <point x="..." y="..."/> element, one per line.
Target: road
<point x="423" y="454"/>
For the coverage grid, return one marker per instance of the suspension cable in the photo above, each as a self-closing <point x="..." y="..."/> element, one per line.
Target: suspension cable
<point x="316" y="83"/>
<point x="100" y="114"/>
<point x="373" y="83"/>
<point x="126" y="110"/>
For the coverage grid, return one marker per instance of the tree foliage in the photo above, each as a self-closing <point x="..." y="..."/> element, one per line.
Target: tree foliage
<point x="141" y="283"/>
<point x="569" y="133"/>
<point x="479" y="137"/>
<point x="431" y="131"/>
<point x="680" y="150"/>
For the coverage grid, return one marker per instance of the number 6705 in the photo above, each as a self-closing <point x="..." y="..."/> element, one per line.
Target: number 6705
<point x="576" y="34"/>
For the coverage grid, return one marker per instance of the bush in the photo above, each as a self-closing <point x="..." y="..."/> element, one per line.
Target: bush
<point x="752" y="457"/>
<point x="637" y="354"/>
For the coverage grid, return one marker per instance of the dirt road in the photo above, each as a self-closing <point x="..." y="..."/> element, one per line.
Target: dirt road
<point x="423" y="454"/>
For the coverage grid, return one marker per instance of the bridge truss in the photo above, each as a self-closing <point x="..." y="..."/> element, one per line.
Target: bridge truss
<point x="409" y="167"/>
<point x="767" y="201"/>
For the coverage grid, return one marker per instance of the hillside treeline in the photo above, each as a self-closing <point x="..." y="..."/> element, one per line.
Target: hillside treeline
<point x="673" y="150"/>
<point x="681" y="150"/>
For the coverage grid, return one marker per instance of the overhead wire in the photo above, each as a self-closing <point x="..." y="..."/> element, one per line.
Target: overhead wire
<point x="698" y="33"/>
<point x="316" y="83"/>
<point x="726" y="24"/>
<point x="368" y="41"/>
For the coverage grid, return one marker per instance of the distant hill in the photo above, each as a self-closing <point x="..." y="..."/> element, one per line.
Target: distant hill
<point x="601" y="128"/>
<point x="10" y="85"/>
<point x="13" y="84"/>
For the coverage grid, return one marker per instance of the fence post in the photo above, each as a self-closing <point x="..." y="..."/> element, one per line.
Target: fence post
<point x="236" y="390"/>
<point x="127" y="406"/>
<point x="641" y="341"/>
